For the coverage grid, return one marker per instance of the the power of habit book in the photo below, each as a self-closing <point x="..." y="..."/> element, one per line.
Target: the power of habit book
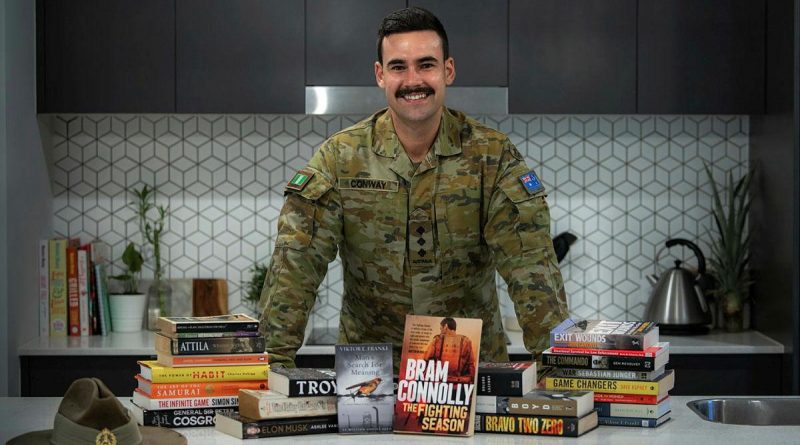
<point x="604" y="334"/>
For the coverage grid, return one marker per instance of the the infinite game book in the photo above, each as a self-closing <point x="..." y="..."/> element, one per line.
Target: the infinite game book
<point x="438" y="373"/>
<point x="364" y="388"/>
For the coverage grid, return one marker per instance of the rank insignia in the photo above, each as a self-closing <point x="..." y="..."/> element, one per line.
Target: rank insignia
<point x="300" y="180"/>
<point x="531" y="182"/>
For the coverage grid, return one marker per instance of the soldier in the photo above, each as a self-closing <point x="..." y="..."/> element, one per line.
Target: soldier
<point x="423" y="204"/>
<point x="455" y="349"/>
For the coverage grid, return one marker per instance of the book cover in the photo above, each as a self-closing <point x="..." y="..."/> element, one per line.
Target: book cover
<point x="151" y="370"/>
<point x="657" y="387"/>
<point x="177" y="418"/>
<point x="213" y="323"/>
<point x="195" y="389"/>
<point x="604" y="334"/>
<point x="364" y="388"/>
<point x="608" y="374"/>
<point x="58" y="287"/>
<point x="83" y="293"/>
<point x="506" y="379"/>
<point x="241" y="427"/>
<point x="295" y="382"/>
<point x="267" y="404"/>
<point x="602" y="361"/>
<point x="219" y="345"/>
<point x="146" y="402"/>
<point x="536" y="425"/>
<point x="640" y="422"/>
<point x="609" y="409"/>
<point x="438" y="374"/>
<point x="179" y="361"/>
<point x="44" y="288"/>
<point x="73" y="299"/>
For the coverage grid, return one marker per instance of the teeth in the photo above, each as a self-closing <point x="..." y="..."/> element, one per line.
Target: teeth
<point x="415" y="96"/>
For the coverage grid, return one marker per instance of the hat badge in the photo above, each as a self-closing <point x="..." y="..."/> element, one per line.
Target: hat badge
<point x="105" y="437"/>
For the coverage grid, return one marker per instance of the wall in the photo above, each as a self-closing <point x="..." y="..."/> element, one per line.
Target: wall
<point x="622" y="184"/>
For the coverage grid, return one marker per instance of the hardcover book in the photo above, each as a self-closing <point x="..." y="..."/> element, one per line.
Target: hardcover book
<point x="214" y="323"/>
<point x="364" y="388"/>
<point x="295" y="382"/>
<point x="179" y="361"/>
<point x="607" y="374"/>
<point x="608" y="409"/>
<point x="655" y="357"/>
<point x="640" y="422"/>
<point x="145" y="402"/>
<point x="219" y="345"/>
<point x="536" y="425"/>
<point x="657" y="387"/>
<point x="236" y="425"/>
<point x="271" y="405"/>
<point x="539" y="402"/>
<point x="195" y="389"/>
<point x="604" y="334"/>
<point x="438" y="374"/>
<point x="506" y="379"/>
<point x="177" y="418"/>
<point x="58" y="287"/>
<point x="151" y="370"/>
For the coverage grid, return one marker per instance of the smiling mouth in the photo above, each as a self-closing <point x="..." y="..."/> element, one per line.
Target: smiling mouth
<point x="414" y="94"/>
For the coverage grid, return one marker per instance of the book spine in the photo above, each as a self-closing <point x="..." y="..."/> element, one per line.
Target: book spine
<point x="180" y="418"/>
<point x="73" y="297"/>
<point x="83" y="292"/>
<point x="603" y="385"/>
<point x="210" y="389"/>
<point x="499" y="384"/>
<point x="625" y="398"/>
<point x="491" y="404"/>
<point x="324" y="387"/>
<point x="216" y="327"/>
<point x="608" y="409"/>
<point x="271" y="408"/>
<point x="540" y="407"/>
<point x="199" y="346"/>
<point x="289" y="427"/>
<point x="102" y="299"/>
<point x="215" y="360"/>
<point x="210" y="374"/>
<point x="650" y="352"/>
<point x="44" y="289"/>
<point x="145" y="402"/>
<point x="585" y="361"/>
<point x="640" y="422"/>
<point x="527" y="425"/>
<point x="604" y="374"/>
<point x="211" y="334"/>
<point x="58" y="287"/>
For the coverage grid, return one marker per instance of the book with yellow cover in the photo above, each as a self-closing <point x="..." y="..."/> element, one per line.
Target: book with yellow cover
<point x="657" y="387"/>
<point x="151" y="370"/>
<point x="178" y="361"/>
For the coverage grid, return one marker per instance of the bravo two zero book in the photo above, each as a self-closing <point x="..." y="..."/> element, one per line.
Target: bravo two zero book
<point x="145" y="402"/>
<point x="195" y="389"/>
<point x="200" y="346"/>
<point x="604" y="334"/>
<point x="151" y="370"/>
<point x="177" y="418"/>
<point x="539" y="402"/>
<point x="438" y="374"/>
<point x="234" y="424"/>
<point x="257" y="404"/>
<point x="536" y="425"/>
<point x="295" y="382"/>
<point x="213" y="323"/>
<point x="364" y="388"/>
<point x="506" y="379"/>
<point x="658" y="387"/>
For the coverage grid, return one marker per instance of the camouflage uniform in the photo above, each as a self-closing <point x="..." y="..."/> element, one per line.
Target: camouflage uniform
<point x="423" y="240"/>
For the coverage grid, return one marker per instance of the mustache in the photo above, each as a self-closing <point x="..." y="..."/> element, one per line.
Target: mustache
<point x="412" y="90"/>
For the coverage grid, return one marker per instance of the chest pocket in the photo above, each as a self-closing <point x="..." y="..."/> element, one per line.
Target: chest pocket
<point x="297" y="221"/>
<point x="531" y="215"/>
<point x="459" y="229"/>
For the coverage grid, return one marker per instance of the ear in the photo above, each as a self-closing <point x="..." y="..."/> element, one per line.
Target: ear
<point x="449" y="71"/>
<point x="379" y="74"/>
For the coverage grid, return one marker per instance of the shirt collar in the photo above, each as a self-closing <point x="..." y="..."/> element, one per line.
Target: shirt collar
<point x="386" y="143"/>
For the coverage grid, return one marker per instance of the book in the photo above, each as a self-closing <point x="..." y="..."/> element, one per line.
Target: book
<point x="218" y="345"/>
<point x="539" y="402"/>
<point x="178" y="361"/>
<point x="652" y="351"/>
<point x="438" y="374"/>
<point x="146" y="402"/>
<point x="641" y="422"/>
<point x="658" y="387"/>
<point x="177" y="418"/>
<point x="98" y="252"/>
<point x="506" y="379"/>
<point x="268" y="404"/>
<point x="600" y="397"/>
<point x="234" y="424"/>
<point x="103" y="307"/>
<point x="213" y="323"/>
<point x="296" y="382"/>
<point x="210" y="334"/>
<point x="73" y="299"/>
<point x="364" y="388"/>
<point x="536" y="425"/>
<point x="57" y="250"/>
<point x="195" y="389"/>
<point x="151" y="370"/>
<point x="44" y="289"/>
<point x="604" y="334"/>
<point x="604" y="361"/>
<point x="83" y="293"/>
<point x="608" y="374"/>
<point x="611" y="409"/>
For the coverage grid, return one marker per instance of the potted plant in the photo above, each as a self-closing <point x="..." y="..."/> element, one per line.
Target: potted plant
<point x="730" y="249"/>
<point x="152" y="222"/>
<point x="127" y="307"/>
<point x="252" y="288"/>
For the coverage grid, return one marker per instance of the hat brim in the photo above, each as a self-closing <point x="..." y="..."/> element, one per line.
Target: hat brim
<point x="151" y="435"/>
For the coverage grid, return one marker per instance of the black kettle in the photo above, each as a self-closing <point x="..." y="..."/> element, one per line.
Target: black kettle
<point x="677" y="302"/>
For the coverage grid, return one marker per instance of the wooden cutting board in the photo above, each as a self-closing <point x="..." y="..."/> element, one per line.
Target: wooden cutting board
<point x="209" y="297"/>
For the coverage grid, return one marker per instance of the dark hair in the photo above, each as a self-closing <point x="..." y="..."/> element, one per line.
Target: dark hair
<point x="411" y="19"/>
<point x="451" y="324"/>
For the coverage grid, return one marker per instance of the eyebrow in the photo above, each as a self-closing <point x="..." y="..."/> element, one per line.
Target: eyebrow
<point x="420" y="60"/>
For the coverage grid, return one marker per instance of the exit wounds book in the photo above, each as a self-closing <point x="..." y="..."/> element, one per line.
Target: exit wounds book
<point x="438" y="373"/>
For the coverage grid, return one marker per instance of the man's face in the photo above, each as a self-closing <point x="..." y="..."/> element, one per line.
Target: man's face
<point x="414" y="75"/>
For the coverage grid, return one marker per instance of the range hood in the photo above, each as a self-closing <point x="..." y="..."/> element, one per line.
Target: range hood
<point x="367" y="100"/>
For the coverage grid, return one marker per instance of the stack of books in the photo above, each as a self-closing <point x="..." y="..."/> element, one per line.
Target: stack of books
<point x="202" y="363"/>
<point x="508" y="402"/>
<point x="623" y="362"/>
<point x="299" y="401"/>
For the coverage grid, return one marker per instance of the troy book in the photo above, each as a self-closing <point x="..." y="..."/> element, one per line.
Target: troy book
<point x="201" y="346"/>
<point x="438" y="374"/>
<point x="214" y="323"/>
<point x="365" y="390"/>
<point x="604" y="334"/>
<point x="296" y="382"/>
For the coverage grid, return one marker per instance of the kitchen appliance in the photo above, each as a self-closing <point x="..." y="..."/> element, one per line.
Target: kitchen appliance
<point x="677" y="302"/>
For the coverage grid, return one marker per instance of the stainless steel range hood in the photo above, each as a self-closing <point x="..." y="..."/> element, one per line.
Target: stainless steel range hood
<point x="367" y="100"/>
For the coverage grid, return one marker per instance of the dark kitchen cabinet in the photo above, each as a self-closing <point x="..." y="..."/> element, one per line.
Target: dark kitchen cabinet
<point x="106" y="56"/>
<point x="572" y="56"/>
<point x="239" y="56"/>
<point x="701" y="56"/>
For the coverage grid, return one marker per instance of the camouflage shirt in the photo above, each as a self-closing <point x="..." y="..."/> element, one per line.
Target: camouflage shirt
<point x="420" y="240"/>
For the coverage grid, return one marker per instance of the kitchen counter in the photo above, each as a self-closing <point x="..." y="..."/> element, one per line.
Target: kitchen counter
<point x="20" y="415"/>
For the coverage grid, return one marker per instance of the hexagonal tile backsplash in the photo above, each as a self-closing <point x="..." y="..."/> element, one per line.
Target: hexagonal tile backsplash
<point x="622" y="184"/>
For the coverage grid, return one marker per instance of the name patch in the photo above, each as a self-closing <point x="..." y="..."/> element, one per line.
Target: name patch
<point x="382" y="185"/>
<point x="531" y="182"/>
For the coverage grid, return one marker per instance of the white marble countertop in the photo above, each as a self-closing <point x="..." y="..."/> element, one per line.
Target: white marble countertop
<point x="141" y="343"/>
<point x="21" y="415"/>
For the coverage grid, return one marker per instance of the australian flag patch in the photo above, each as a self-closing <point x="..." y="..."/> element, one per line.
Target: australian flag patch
<point x="531" y="182"/>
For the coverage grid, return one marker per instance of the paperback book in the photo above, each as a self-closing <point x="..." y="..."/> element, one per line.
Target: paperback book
<point x="151" y="370"/>
<point x="438" y="374"/>
<point x="539" y="402"/>
<point x="604" y="334"/>
<point x="146" y="402"/>
<point x="536" y="425"/>
<point x="654" y="358"/>
<point x="202" y="346"/>
<point x="257" y="404"/>
<point x="177" y="418"/>
<point x="657" y="387"/>
<point x="608" y="374"/>
<point x="608" y="409"/>
<point x="365" y="390"/>
<point x="211" y="359"/>
<point x="236" y="425"/>
<point x="506" y="379"/>
<point x="195" y="389"/>
<point x="640" y="422"/>
<point x="214" y="323"/>
<point x="295" y="382"/>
